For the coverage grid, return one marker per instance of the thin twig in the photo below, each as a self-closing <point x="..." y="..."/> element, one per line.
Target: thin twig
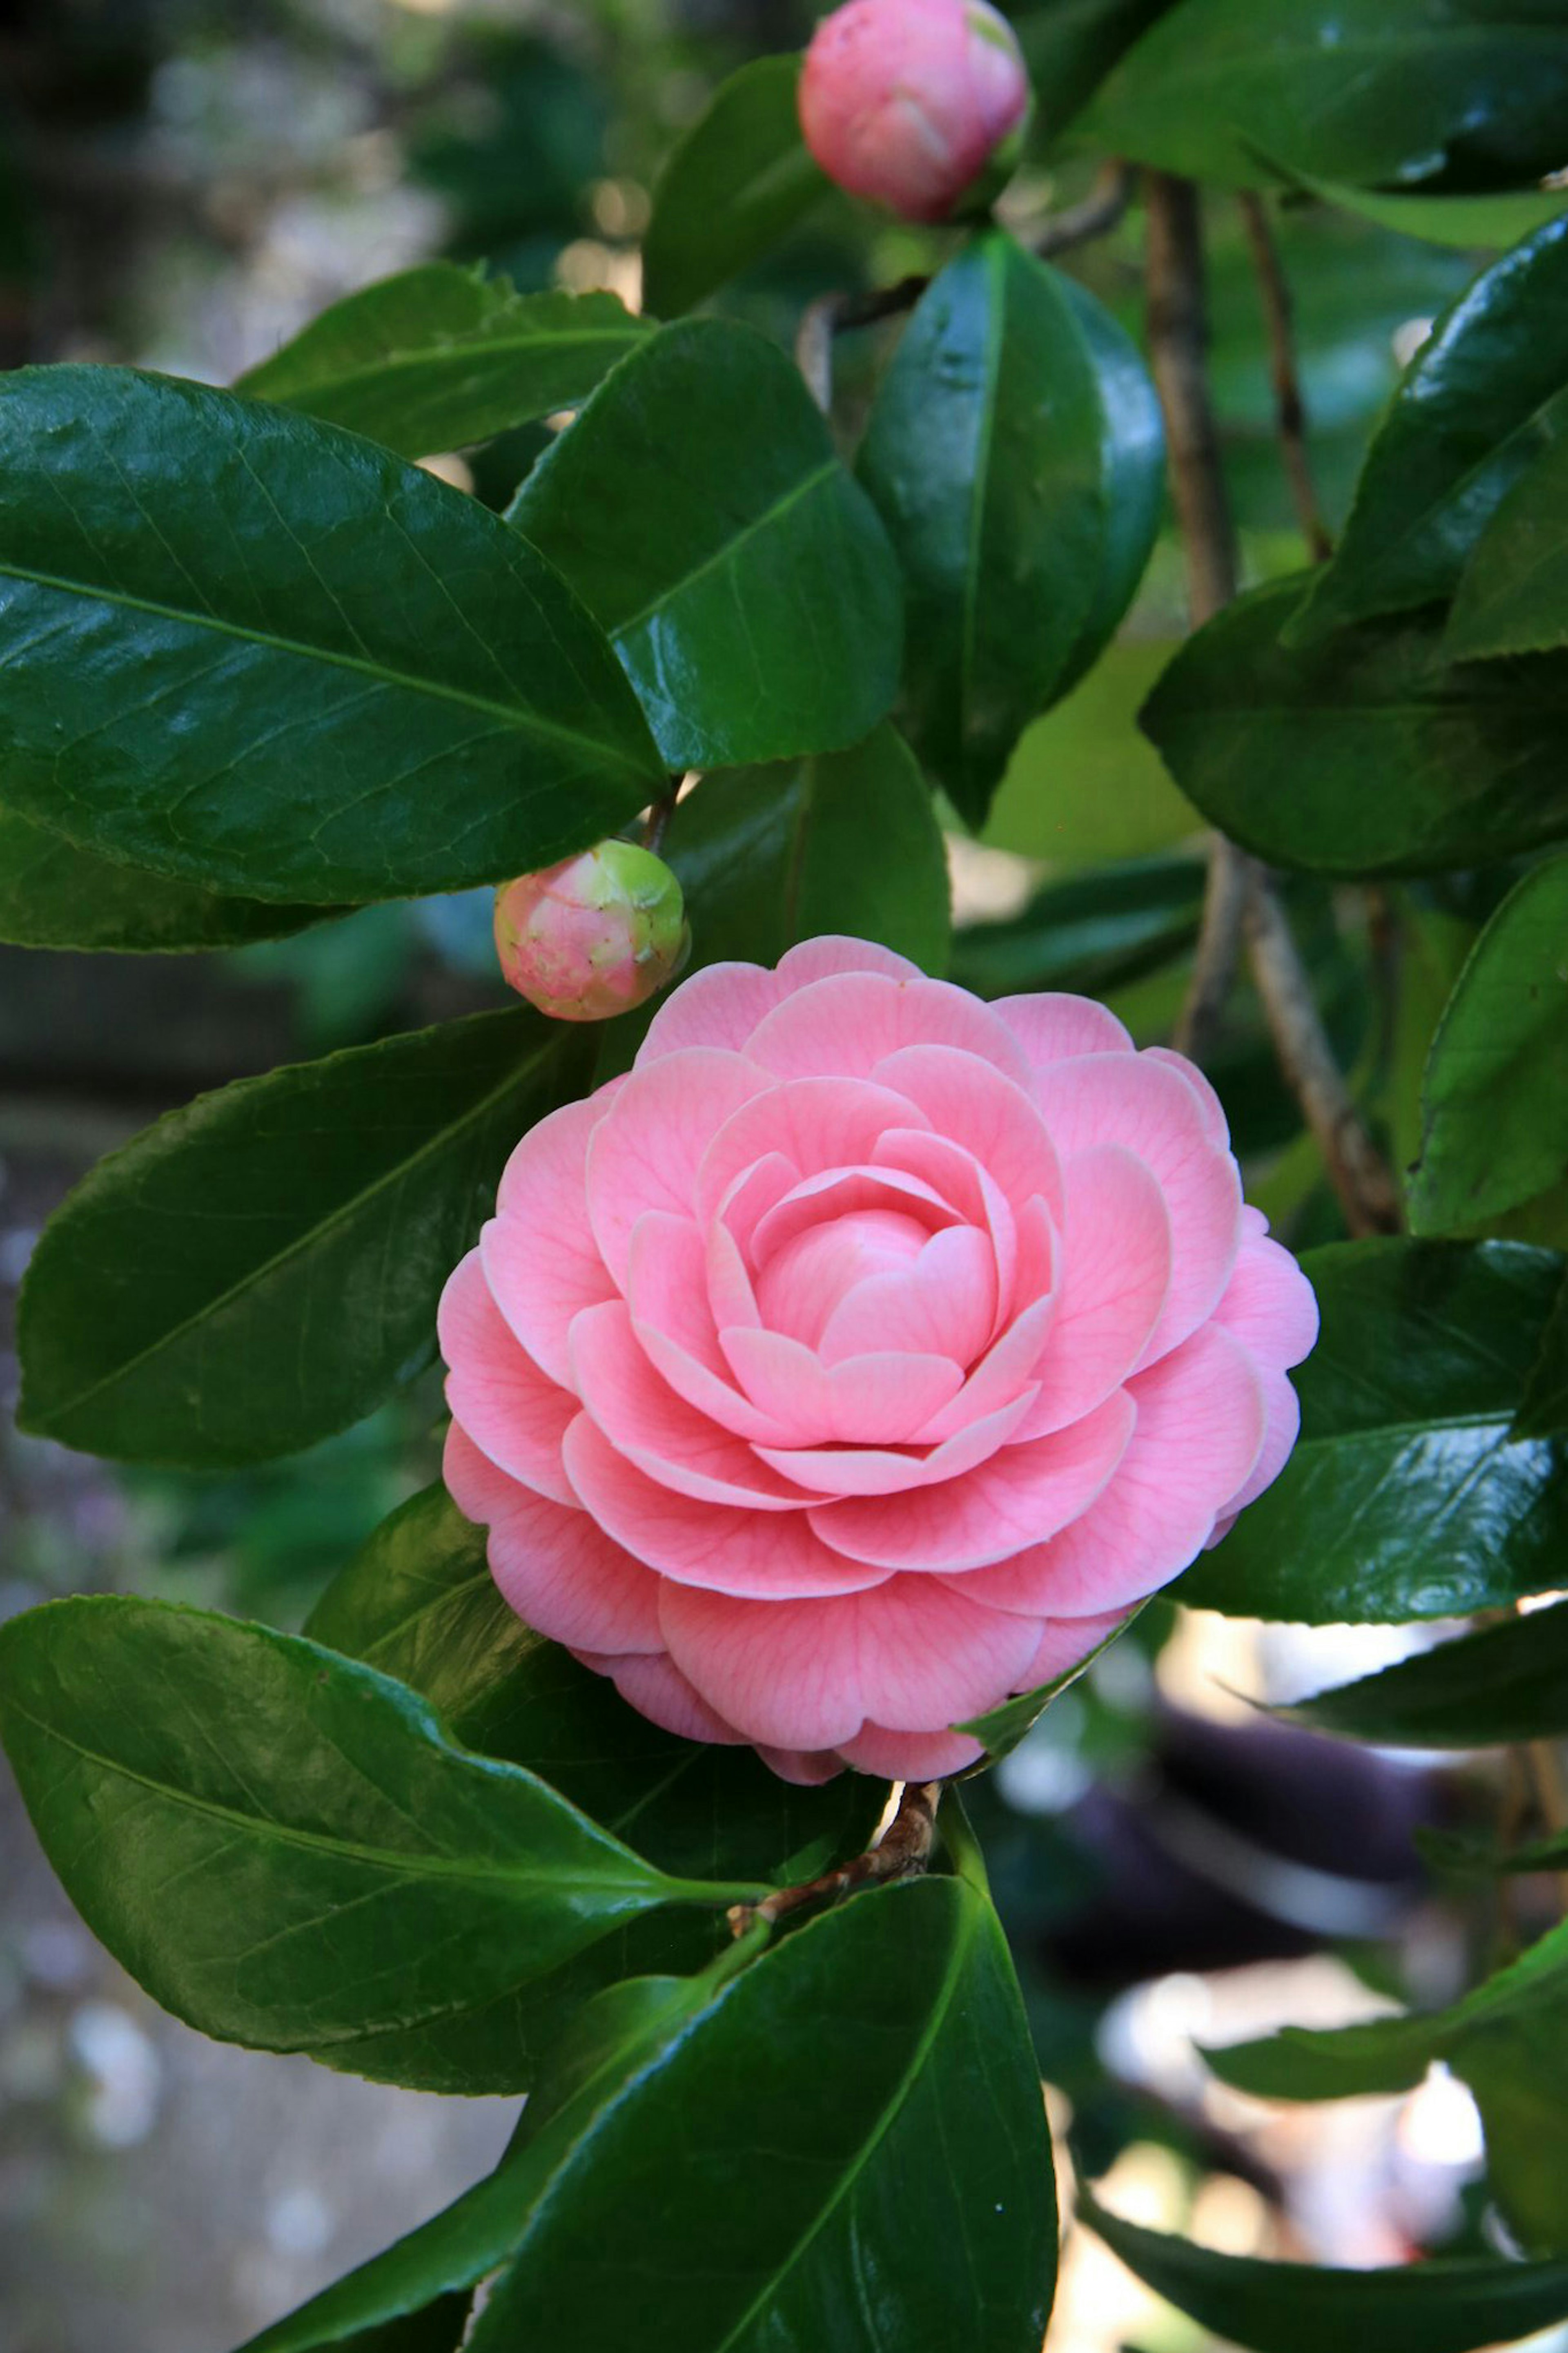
<point x="837" y="314"/>
<point x="903" y="1850"/>
<point x="658" y="816"/>
<point x="1290" y="409"/>
<point x="1240" y="902"/>
<point x="1357" y="1170"/>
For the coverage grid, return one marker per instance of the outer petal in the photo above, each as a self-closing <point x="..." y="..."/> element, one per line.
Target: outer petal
<point x="1270" y="1305"/>
<point x="849" y="1024"/>
<point x="1150" y="1110"/>
<point x="1116" y="1274"/>
<point x="656" y="1687"/>
<point x="560" y="1574"/>
<point x="773" y="1555"/>
<point x="645" y="1153"/>
<point x="1052" y="1027"/>
<point x="910" y="1755"/>
<point x="807" y="1674"/>
<point x="1284" y="1425"/>
<point x="541" y="1261"/>
<point x="1199" y="1430"/>
<point x="513" y="1412"/>
<point x="719" y="1006"/>
<point x="833" y="952"/>
<point x="1065" y="1640"/>
<point x="1020" y="1496"/>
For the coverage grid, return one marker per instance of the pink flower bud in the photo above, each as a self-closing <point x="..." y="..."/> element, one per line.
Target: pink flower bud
<point x="594" y="935"/>
<point x="906" y="100"/>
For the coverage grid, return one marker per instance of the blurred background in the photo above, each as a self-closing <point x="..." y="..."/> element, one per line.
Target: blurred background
<point x="183" y="183"/>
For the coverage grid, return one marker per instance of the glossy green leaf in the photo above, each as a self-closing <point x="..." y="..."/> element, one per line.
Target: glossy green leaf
<point x="1480" y="401"/>
<point x="1069" y="46"/>
<point x="1003" y="1727"/>
<point x="1544" y="1408"/>
<point x="1448" y="2305"/>
<point x="1368" y="752"/>
<point x="1374" y="91"/>
<point x="1507" y="2040"/>
<point x="872" y="2160"/>
<point x="439" y="357"/>
<point x="1084" y="786"/>
<point x="252" y="651"/>
<point x="1513" y="598"/>
<point x="1408" y="1496"/>
<point x="699" y="508"/>
<point x="1094" y="933"/>
<point x="256" y="1270"/>
<point x="1501" y="1684"/>
<point x="1495" y="1092"/>
<point x="1468" y="224"/>
<point x="1013" y="450"/>
<point x="738" y="182"/>
<point x="54" y="896"/>
<point x="284" y="1848"/>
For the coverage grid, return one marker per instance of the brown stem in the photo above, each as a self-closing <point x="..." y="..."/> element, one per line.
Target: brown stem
<point x="656" y="828"/>
<point x="1099" y="212"/>
<point x="1289" y="410"/>
<point x="903" y="1850"/>
<point x="1357" y="1170"/>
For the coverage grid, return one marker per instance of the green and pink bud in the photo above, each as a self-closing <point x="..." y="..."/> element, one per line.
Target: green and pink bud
<point x="907" y="101"/>
<point x="593" y="936"/>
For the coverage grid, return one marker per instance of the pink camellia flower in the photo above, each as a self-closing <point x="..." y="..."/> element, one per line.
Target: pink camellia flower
<point x="906" y="100"/>
<point x="594" y="935"/>
<point x="864" y="1355"/>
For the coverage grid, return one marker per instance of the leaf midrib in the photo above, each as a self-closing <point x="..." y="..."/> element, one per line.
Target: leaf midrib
<point x="522" y="718"/>
<point x="442" y="1141"/>
<point x="891" y="2109"/>
<point x="759" y="523"/>
<point x="385" y="1859"/>
<point x="434" y="355"/>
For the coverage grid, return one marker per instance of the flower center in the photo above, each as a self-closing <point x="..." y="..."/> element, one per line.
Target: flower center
<point x="806" y="1278"/>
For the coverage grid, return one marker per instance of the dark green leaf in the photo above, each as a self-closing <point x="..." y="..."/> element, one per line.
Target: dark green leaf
<point x="700" y="510"/>
<point x="1069" y="46"/>
<point x="872" y="2164"/>
<point x="1004" y="1726"/>
<point x="1013" y="450"/>
<point x="1369" y="753"/>
<point x="439" y="357"/>
<point x="53" y="895"/>
<point x="1095" y="933"/>
<point x="1500" y="1683"/>
<point x="256" y="1270"/>
<point x="1478" y="403"/>
<point x="736" y="185"/>
<point x="256" y="652"/>
<point x="1466" y="223"/>
<point x="1452" y="2304"/>
<point x="1513" y="598"/>
<point x="1408" y="1496"/>
<point x="1495" y="1092"/>
<point x="1372" y="91"/>
<point x="1507" y="2040"/>
<point x="1544" y="1409"/>
<point x="284" y="1848"/>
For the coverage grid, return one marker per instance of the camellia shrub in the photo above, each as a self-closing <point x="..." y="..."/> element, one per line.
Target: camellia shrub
<point x="838" y="1355"/>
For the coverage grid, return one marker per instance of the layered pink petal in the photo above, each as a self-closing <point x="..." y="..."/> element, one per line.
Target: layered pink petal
<point x="863" y="1401"/>
<point x="832" y="953"/>
<point x="1017" y="1498"/>
<point x="645" y="1153"/>
<point x="645" y="1420"/>
<point x="719" y="1006"/>
<point x="1116" y="1274"/>
<point x="734" y="1550"/>
<point x="992" y="1116"/>
<point x="1270" y="1305"/>
<point x="911" y="1756"/>
<point x="1200" y="1428"/>
<point x="1065" y="1642"/>
<point x="808" y="1674"/>
<point x="656" y="1687"/>
<point x="943" y="1303"/>
<point x="816" y="1123"/>
<point x="850" y="1023"/>
<point x="868" y="1471"/>
<point x="562" y="1575"/>
<point x="1150" y="1111"/>
<point x="540" y="1259"/>
<point x="666" y="1295"/>
<point x="516" y="1414"/>
<point x="1053" y="1029"/>
<point x="1282" y="1408"/>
